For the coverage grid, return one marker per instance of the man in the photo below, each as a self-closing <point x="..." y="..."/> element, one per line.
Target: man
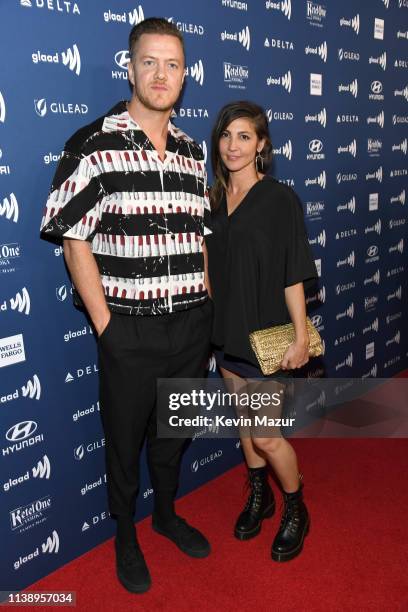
<point x="129" y="200"/>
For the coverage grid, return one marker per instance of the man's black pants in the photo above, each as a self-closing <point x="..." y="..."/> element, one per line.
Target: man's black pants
<point x="133" y="352"/>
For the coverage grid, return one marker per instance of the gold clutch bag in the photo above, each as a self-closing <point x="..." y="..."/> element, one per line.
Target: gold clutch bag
<point x="270" y="345"/>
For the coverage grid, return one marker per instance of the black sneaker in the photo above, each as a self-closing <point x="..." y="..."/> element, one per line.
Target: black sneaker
<point x="187" y="538"/>
<point x="131" y="567"/>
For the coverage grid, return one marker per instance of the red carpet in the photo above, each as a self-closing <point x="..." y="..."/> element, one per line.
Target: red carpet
<point x="355" y="556"/>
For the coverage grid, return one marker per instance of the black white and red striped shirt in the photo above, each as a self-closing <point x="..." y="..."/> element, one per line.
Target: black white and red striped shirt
<point x="145" y="218"/>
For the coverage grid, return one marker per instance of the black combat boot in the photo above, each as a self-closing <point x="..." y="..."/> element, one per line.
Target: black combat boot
<point x="294" y="526"/>
<point x="260" y="505"/>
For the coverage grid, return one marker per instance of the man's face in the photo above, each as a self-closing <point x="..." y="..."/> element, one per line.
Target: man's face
<point x="156" y="71"/>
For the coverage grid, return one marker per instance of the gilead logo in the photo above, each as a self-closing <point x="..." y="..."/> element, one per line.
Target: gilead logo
<point x="205" y="460"/>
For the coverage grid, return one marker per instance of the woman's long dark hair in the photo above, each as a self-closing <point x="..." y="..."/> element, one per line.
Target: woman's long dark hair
<point x="236" y="110"/>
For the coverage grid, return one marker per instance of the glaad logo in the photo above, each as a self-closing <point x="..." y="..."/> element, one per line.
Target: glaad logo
<point x="196" y="71"/>
<point x="373" y="372"/>
<point x="21" y="303"/>
<point x="351" y="88"/>
<point x="70" y="58"/>
<point x="286" y="150"/>
<point x="376" y="91"/>
<point x="373" y="327"/>
<point x="284" y="5"/>
<point x="376" y="175"/>
<point x="320" y="117"/>
<point x="402" y="3"/>
<point x="374" y="228"/>
<point x="319" y="180"/>
<point x="320" y="50"/>
<point x="404" y="94"/>
<point x="396" y="295"/>
<point x="134" y="17"/>
<point x="320" y="239"/>
<point x="51" y="545"/>
<point x="285" y="81"/>
<point x="32" y="389"/>
<point x="348" y="55"/>
<point x="2" y="109"/>
<point x="59" y="6"/>
<point x="348" y="312"/>
<point x="396" y="339"/>
<point x="243" y="37"/>
<point x="351" y="148"/>
<point x="320" y="296"/>
<point x="375" y="278"/>
<point x="402" y="34"/>
<point x="235" y="75"/>
<point x="353" y="23"/>
<point x="402" y="147"/>
<point x="41" y="470"/>
<point x="386" y="3"/>
<point x="399" y="199"/>
<point x="399" y="247"/>
<point x="315" y="13"/>
<point x="205" y="460"/>
<point x="350" y="205"/>
<point x="350" y="260"/>
<point x="9" y="208"/>
<point x="348" y="361"/>
<point x="59" y="108"/>
<point x="381" y="60"/>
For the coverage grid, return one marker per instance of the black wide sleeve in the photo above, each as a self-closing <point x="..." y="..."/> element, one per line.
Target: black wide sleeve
<point x="299" y="262"/>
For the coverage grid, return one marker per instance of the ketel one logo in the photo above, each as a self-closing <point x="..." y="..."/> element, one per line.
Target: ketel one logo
<point x="196" y="71"/>
<point x="353" y="23"/>
<point x="9" y="208"/>
<point x="21" y="303"/>
<point x="284" y="5"/>
<point x="2" y="109"/>
<point x="21" y="431"/>
<point x="350" y="148"/>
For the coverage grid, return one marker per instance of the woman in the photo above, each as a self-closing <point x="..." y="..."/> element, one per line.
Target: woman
<point x="258" y="258"/>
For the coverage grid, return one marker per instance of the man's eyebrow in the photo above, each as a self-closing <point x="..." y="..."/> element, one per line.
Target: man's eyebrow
<point x="169" y="59"/>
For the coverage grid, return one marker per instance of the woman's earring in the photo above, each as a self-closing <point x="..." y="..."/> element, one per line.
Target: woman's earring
<point x="259" y="161"/>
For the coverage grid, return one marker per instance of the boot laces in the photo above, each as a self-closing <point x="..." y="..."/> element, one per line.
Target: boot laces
<point x="254" y="487"/>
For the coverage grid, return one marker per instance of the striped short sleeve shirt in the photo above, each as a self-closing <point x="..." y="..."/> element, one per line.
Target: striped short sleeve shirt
<point x="144" y="217"/>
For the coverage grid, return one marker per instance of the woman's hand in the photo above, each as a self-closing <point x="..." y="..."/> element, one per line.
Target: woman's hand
<point x="296" y="356"/>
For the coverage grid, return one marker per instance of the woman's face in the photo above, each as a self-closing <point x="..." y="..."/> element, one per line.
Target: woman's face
<point x="239" y="145"/>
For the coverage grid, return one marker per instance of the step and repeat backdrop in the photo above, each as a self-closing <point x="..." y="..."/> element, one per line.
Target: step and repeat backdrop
<point x="333" y="80"/>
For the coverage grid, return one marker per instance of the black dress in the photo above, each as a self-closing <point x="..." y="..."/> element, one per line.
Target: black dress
<point x="253" y="254"/>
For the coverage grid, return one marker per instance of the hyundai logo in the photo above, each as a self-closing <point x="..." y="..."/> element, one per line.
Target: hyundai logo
<point x="122" y="59"/>
<point x="315" y="146"/>
<point x="372" y="251"/>
<point x="376" y="87"/>
<point x="21" y="431"/>
<point x="317" y="320"/>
